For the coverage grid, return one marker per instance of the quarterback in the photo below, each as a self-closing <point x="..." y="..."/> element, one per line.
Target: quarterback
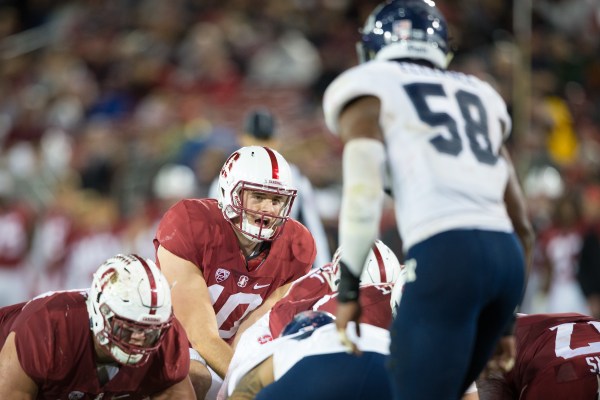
<point x="230" y="259"/>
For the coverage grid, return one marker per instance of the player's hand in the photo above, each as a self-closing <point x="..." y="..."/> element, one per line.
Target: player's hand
<point x="346" y="312"/>
<point x="503" y="359"/>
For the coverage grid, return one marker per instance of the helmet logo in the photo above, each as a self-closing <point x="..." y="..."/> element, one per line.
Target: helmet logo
<point x="110" y="275"/>
<point x="229" y="163"/>
<point x="402" y="28"/>
<point x="221" y="275"/>
<point x="243" y="281"/>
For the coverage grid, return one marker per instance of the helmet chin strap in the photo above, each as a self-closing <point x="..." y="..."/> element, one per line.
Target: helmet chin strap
<point x="123" y="357"/>
<point x="116" y="353"/>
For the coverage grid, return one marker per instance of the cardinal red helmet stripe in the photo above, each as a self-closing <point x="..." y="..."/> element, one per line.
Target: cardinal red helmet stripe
<point x="153" y="290"/>
<point x="103" y="279"/>
<point x="380" y="263"/>
<point x="274" y="164"/>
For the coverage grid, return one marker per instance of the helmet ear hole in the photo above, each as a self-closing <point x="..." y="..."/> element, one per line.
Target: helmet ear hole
<point x="104" y="309"/>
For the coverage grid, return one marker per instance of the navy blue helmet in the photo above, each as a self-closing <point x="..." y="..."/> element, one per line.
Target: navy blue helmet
<point x="405" y="29"/>
<point x="307" y="322"/>
<point x="260" y="123"/>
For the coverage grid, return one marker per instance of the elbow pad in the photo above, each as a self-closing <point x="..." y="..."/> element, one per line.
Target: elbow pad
<point x="362" y="200"/>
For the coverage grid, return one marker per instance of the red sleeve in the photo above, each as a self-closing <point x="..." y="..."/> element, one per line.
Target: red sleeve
<point x="34" y="341"/>
<point x="174" y="358"/>
<point x="317" y="283"/>
<point x="303" y="248"/>
<point x="8" y="315"/>
<point x="295" y="251"/>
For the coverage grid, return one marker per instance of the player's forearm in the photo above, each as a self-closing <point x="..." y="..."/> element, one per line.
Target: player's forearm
<point x="216" y="352"/>
<point x="248" y="387"/>
<point x="254" y="381"/>
<point x="517" y="210"/>
<point x="14" y="382"/>
<point x="363" y="195"/>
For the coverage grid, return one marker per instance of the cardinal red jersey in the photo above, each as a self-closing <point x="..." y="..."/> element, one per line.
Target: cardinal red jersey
<point x="558" y="357"/>
<point x="374" y="300"/>
<point x="196" y="230"/>
<point x="55" y="348"/>
<point x="317" y="283"/>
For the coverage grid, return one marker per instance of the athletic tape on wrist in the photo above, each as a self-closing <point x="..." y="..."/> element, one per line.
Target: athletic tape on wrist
<point x="195" y="356"/>
<point x="348" y="289"/>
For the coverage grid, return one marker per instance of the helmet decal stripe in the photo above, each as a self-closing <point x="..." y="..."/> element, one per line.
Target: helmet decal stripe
<point x="274" y="163"/>
<point x="380" y="263"/>
<point x="104" y="278"/>
<point x="153" y="289"/>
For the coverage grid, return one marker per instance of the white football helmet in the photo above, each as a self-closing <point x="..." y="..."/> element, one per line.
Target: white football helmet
<point x="381" y="266"/>
<point x="257" y="169"/>
<point x="129" y="305"/>
<point x="174" y="181"/>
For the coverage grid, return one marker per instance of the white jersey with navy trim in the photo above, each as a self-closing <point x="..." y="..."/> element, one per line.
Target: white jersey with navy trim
<point x="326" y="340"/>
<point x="287" y="350"/>
<point x="443" y="132"/>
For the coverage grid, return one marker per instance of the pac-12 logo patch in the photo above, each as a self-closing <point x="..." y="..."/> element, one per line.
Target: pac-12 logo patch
<point x="221" y="275"/>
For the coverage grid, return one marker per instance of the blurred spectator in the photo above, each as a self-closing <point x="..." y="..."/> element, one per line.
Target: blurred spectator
<point x="589" y="258"/>
<point x="290" y="60"/>
<point x="51" y="235"/>
<point x="172" y="183"/>
<point x="559" y="248"/>
<point x="16" y="225"/>
<point x="95" y="237"/>
<point x="107" y="92"/>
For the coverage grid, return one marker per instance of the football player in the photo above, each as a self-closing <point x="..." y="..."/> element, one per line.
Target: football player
<point x="319" y="285"/>
<point x="379" y="300"/>
<point x="558" y="357"/>
<point x="260" y="130"/>
<point x="440" y="136"/>
<point x="309" y="362"/>
<point x="317" y="291"/>
<point x="117" y="339"/>
<point x="233" y="257"/>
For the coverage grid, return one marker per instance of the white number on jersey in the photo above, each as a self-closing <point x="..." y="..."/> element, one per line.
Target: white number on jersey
<point x="251" y="299"/>
<point x="562" y="346"/>
<point x="473" y="112"/>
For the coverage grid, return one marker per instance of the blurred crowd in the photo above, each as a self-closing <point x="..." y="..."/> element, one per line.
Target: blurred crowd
<point x="112" y="110"/>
